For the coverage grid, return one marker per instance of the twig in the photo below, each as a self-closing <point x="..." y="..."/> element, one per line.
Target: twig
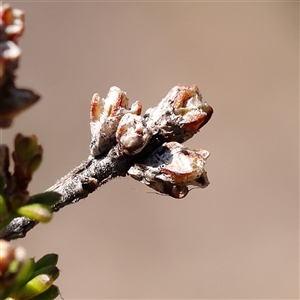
<point x="147" y="148"/>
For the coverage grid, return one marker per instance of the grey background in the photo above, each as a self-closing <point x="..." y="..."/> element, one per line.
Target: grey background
<point x="239" y="237"/>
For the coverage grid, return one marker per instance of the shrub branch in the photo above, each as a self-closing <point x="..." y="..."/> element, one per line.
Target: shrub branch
<point x="148" y="148"/>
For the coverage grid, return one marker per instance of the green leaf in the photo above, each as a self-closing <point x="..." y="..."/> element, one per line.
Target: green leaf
<point x="47" y="198"/>
<point x="45" y="261"/>
<point x="36" y="211"/>
<point x="50" y="294"/>
<point x="49" y="270"/>
<point x="24" y="272"/>
<point x="34" y="287"/>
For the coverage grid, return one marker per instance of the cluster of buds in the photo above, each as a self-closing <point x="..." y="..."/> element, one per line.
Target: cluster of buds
<point x="133" y="134"/>
<point x="169" y="169"/>
<point x="105" y="115"/>
<point x="12" y="100"/>
<point x="22" y="278"/>
<point x="179" y="115"/>
<point x="14" y="197"/>
<point x="11" y="28"/>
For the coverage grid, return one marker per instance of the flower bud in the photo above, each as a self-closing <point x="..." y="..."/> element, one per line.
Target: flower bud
<point x="13" y="100"/>
<point x="171" y="168"/>
<point x="105" y="115"/>
<point x="132" y="134"/>
<point x="26" y="147"/>
<point x="7" y="255"/>
<point x="179" y="115"/>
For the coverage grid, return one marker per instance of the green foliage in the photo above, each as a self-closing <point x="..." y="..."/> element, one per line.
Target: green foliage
<point x="51" y="293"/>
<point x="36" y="211"/>
<point x="45" y="261"/>
<point x="22" y="279"/>
<point x="46" y="198"/>
<point x="15" y="200"/>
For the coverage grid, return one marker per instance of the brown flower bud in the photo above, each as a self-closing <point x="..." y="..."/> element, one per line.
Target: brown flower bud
<point x="179" y="115"/>
<point x="171" y="168"/>
<point x="11" y="28"/>
<point x="105" y="115"/>
<point x="12" y="21"/>
<point x="12" y="100"/>
<point x="132" y="134"/>
<point x="8" y="253"/>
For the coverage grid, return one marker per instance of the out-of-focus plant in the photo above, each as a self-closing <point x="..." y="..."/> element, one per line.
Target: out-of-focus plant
<point x="20" y="278"/>
<point x="15" y="200"/>
<point x="13" y="100"/>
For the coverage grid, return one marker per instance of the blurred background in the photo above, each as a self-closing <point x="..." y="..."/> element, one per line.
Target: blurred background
<point x="236" y="239"/>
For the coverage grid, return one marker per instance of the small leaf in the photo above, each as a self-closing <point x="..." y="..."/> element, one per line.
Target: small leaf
<point x="34" y="287"/>
<point x="46" y="260"/>
<point x="36" y="211"/>
<point x="49" y="294"/>
<point x="24" y="273"/>
<point x="47" y="198"/>
<point x="49" y="270"/>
